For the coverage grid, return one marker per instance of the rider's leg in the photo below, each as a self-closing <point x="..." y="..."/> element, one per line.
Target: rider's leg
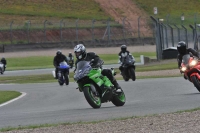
<point x="108" y="73"/>
<point x="56" y="72"/>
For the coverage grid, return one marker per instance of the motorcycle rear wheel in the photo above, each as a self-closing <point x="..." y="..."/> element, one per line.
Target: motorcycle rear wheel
<point x="92" y="98"/>
<point x="196" y="82"/>
<point x="119" y="100"/>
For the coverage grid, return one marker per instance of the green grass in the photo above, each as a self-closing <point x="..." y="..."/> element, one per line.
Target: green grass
<point x="72" y="9"/>
<point x="35" y="62"/>
<point x="48" y="78"/>
<point x="172" y="10"/>
<point x="166" y="66"/>
<point x="8" y="95"/>
<point x="40" y="78"/>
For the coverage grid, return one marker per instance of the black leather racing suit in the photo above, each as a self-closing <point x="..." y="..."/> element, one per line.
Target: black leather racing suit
<point x="4" y="62"/>
<point x="188" y="51"/>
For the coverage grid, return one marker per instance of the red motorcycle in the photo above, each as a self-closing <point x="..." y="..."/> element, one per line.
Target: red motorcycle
<point x="190" y="66"/>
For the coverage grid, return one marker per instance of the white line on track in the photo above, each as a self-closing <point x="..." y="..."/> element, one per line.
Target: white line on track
<point x="23" y="94"/>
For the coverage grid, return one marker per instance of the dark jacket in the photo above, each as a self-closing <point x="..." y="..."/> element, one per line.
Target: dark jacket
<point x="188" y="51"/>
<point x="58" y="59"/>
<point x="89" y="56"/>
<point x="4" y="61"/>
<point x="122" y="55"/>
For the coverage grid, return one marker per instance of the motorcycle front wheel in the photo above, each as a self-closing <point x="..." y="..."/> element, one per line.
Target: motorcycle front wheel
<point x="196" y="82"/>
<point x="1" y="70"/>
<point x="125" y="78"/>
<point x="66" y="78"/>
<point x="132" y="73"/>
<point x="92" y="98"/>
<point x="60" y="79"/>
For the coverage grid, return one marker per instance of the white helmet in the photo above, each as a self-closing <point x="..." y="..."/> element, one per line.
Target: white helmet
<point x="80" y="51"/>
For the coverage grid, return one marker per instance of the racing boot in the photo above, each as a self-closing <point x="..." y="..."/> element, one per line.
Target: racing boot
<point x="117" y="86"/>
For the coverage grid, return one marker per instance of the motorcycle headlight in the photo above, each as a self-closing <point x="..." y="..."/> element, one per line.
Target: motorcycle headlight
<point x="193" y="63"/>
<point x="183" y="69"/>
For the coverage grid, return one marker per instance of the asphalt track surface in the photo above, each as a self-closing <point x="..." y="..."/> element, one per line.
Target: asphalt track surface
<point x="50" y="103"/>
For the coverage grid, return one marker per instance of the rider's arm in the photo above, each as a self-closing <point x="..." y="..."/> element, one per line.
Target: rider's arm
<point x="120" y="58"/>
<point x="179" y="60"/>
<point x="131" y="55"/>
<point x="75" y="67"/>
<point x="54" y="62"/>
<point x="194" y="52"/>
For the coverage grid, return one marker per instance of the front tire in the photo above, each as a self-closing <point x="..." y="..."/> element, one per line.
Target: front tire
<point x="91" y="97"/>
<point x="125" y="78"/>
<point x="196" y="82"/>
<point x="132" y="73"/>
<point x="1" y="70"/>
<point x="60" y="82"/>
<point x="119" y="100"/>
<point x="60" y="79"/>
<point x="66" y="79"/>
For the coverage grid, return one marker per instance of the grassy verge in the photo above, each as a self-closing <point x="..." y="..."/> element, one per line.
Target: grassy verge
<point x="35" y="10"/>
<point x="7" y="95"/>
<point x="46" y="78"/>
<point x="36" y="62"/>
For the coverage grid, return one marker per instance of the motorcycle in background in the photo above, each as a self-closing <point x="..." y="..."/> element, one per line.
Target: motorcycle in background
<point x="190" y="67"/>
<point x="97" y="88"/>
<point x="128" y="68"/>
<point x="2" y="68"/>
<point x="63" y="73"/>
<point x="71" y="62"/>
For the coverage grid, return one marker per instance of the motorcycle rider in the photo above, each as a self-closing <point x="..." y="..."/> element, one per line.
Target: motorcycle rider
<point x="122" y="54"/>
<point x="81" y="54"/>
<point x="57" y="60"/>
<point x="3" y="60"/>
<point x="182" y="50"/>
<point x="71" y="58"/>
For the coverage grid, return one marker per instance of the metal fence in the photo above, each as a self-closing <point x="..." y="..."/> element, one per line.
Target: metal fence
<point x="92" y="32"/>
<point x="130" y="31"/>
<point x="169" y="34"/>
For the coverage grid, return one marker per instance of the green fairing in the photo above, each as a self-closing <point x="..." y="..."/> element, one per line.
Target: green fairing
<point x="96" y="76"/>
<point x="107" y="82"/>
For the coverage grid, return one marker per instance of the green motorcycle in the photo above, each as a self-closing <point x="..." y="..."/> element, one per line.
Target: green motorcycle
<point x="97" y="88"/>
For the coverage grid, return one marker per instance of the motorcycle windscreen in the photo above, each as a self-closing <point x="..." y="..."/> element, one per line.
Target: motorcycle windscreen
<point x="128" y="60"/>
<point x="185" y="59"/>
<point x="83" y="68"/>
<point x="63" y="65"/>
